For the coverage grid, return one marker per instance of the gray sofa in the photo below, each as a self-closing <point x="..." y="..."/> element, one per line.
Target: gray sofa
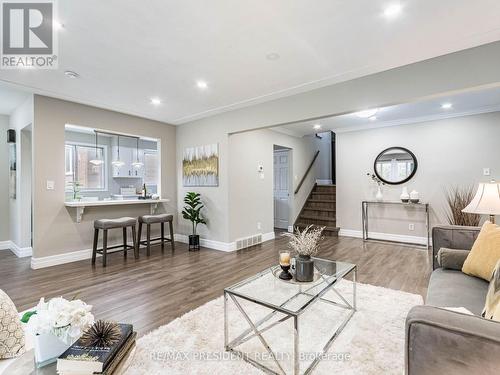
<point x="440" y="341"/>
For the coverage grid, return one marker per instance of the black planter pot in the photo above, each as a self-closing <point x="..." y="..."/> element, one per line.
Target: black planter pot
<point x="194" y="242"/>
<point x="304" y="268"/>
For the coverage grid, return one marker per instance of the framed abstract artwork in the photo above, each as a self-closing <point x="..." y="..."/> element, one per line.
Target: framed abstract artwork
<point x="200" y="166"/>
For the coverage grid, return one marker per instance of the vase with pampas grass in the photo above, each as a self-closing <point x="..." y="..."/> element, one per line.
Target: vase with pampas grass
<point x="457" y="199"/>
<point x="305" y="244"/>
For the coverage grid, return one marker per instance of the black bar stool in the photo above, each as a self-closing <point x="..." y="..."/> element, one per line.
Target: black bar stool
<point x="105" y="225"/>
<point x="155" y="219"/>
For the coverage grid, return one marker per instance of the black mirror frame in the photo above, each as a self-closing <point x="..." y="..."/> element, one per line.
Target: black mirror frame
<point x="415" y="163"/>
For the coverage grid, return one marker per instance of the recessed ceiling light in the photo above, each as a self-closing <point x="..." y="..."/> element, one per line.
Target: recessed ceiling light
<point x="393" y="10"/>
<point x="71" y="74"/>
<point x="272" y="56"/>
<point x="317" y="126"/>
<point x="155" y="101"/>
<point x="58" y="25"/>
<point x="446" y="106"/>
<point x="373" y="118"/>
<point x="367" y="113"/>
<point x="202" y="85"/>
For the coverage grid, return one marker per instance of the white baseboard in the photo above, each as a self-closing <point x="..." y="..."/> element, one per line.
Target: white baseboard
<point x="54" y="260"/>
<point x="73" y="256"/>
<point x="219" y="245"/>
<point x="211" y="244"/>
<point x="384" y="236"/>
<point x="268" y="236"/>
<point x="20" y="252"/>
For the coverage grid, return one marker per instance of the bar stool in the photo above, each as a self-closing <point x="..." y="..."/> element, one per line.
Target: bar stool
<point x="105" y="225"/>
<point x="155" y="219"/>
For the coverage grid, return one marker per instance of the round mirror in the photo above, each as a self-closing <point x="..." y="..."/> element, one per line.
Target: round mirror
<point x="395" y="165"/>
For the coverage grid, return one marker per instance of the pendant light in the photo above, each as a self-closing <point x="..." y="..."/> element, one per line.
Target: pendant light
<point x="118" y="163"/>
<point x="137" y="164"/>
<point x="97" y="160"/>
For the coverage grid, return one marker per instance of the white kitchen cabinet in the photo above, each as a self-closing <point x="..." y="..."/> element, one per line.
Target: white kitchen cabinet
<point x="127" y="156"/>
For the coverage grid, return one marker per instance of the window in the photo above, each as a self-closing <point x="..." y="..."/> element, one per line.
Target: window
<point x="151" y="172"/>
<point x="79" y="169"/>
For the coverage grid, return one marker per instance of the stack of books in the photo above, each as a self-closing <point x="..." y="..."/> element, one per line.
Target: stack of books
<point x="80" y="359"/>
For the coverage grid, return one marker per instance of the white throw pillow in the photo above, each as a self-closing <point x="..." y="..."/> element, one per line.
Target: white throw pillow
<point x="11" y="330"/>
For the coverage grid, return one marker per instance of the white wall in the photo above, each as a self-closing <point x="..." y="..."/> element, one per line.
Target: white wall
<point x="20" y="210"/>
<point x="324" y="145"/>
<point x="4" y="180"/>
<point x="250" y="197"/>
<point x="450" y="73"/>
<point x="450" y="152"/>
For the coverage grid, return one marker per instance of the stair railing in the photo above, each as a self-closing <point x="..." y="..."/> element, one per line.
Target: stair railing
<point x="307" y="172"/>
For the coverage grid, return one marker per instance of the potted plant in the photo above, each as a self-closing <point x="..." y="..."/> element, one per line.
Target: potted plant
<point x="57" y="324"/>
<point x="457" y="199"/>
<point x="305" y="244"/>
<point x="192" y="213"/>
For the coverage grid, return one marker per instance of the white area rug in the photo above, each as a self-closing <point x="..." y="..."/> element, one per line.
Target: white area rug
<point x="371" y="343"/>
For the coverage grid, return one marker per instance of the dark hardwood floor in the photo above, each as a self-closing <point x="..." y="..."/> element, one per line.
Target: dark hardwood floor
<point x="152" y="291"/>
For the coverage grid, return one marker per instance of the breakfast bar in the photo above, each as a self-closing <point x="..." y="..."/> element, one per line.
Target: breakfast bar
<point x="80" y="205"/>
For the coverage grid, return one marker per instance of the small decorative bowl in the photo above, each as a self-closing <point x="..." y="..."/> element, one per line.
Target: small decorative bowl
<point x="414" y="200"/>
<point x="405" y="200"/>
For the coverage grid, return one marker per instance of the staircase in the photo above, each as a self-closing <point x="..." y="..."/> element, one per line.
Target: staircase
<point x="319" y="210"/>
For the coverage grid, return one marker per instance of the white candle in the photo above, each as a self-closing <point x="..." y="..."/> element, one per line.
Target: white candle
<point x="285" y="259"/>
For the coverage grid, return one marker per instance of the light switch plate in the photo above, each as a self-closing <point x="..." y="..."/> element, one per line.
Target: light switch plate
<point x="486" y="172"/>
<point x="50" y="185"/>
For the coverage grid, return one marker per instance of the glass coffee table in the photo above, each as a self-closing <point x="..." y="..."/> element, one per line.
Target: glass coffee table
<point x="265" y="302"/>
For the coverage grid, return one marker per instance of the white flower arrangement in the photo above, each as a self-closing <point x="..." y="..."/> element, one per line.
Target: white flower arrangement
<point x="305" y="243"/>
<point x="65" y="319"/>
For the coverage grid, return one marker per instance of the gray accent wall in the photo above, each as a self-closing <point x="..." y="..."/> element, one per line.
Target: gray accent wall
<point x="55" y="229"/>
<point x="450" y="152"/>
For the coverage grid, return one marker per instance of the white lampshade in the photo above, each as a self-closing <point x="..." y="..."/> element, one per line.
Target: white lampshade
<point x="486" y="201"/>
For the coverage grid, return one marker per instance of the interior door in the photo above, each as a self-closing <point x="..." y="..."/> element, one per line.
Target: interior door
<point x="281" y="189"/>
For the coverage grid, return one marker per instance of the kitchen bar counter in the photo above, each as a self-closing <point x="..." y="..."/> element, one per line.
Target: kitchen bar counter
<point x="80" y="205"/>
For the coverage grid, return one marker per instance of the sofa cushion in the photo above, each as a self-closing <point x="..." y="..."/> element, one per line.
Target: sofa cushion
<point x="451" y="288"/>
<point x="485" y="252"/>
<point x="452" y="259"/>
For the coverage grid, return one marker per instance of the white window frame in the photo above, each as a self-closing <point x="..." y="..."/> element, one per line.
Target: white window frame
<point x="106" y="169"/>
<point x="158" y="154"/>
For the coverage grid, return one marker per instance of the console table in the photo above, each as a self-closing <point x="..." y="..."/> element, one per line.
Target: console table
<point x="423" y="207"/>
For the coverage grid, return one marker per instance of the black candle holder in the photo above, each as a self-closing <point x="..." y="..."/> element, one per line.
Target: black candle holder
<point x="285" y="275"/>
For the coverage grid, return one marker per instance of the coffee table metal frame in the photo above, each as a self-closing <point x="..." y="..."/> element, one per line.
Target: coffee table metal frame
<point x="255" y="329"/>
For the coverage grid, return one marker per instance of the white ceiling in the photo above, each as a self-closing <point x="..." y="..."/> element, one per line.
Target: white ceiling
<point x="473" y="102"/>
<point x="10" y="99"/>
<point x="129" y="51"/>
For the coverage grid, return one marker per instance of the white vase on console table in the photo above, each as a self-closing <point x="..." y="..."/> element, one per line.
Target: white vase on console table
<point x="405" y="197"/>
<point x="379" y="196"/>
<point x="414" y="196"/>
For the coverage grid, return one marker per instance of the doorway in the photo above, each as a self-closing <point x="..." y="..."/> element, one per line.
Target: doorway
<point x="282" y="186"/>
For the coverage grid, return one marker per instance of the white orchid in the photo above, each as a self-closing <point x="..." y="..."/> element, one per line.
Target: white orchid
<point x="64" y="319"/>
